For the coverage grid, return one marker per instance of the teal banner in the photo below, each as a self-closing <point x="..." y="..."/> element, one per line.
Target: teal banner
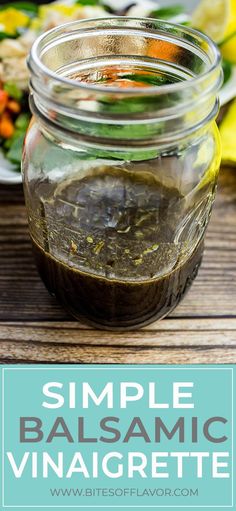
<point x="117" y="437"/>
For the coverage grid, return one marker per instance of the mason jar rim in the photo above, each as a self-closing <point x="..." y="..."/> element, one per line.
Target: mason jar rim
<point x="102" y="114"/>
<point x="36" y="56"/>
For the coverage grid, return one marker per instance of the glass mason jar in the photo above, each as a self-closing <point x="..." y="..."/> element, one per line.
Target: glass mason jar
<point x="120" y="165"/>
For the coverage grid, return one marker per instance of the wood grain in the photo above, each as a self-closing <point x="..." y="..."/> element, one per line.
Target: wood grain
<point x="35" y="329"/>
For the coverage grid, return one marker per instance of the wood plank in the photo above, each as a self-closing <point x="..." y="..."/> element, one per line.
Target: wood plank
<point x="168" y="333"/>
<point x="169" y="324"/>
<point x="156" y="340"/>
<point x="42" y="353"/>
<point x="12" y="194"/>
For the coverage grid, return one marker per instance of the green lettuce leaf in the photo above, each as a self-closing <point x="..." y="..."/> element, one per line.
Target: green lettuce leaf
<point x="28" y="7"/>
<point x="167" y="12"/>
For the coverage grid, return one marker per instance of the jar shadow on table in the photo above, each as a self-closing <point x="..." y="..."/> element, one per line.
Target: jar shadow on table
<point x="120" y="165"/>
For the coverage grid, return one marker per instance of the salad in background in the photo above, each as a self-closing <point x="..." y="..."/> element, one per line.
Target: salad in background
<point x="22" y="22"/>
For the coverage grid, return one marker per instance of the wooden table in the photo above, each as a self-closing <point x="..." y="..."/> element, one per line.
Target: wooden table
<point x="35" y="329"/>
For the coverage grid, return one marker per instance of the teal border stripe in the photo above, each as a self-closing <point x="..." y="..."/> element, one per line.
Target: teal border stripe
<point x="116" y="368"/>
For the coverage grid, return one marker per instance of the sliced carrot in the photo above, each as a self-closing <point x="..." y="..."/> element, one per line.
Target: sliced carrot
<point x="13" y="106"/>
<point x="6" y="126"/>
<point x="163" y="50"/>
<point x="3" y="100"/>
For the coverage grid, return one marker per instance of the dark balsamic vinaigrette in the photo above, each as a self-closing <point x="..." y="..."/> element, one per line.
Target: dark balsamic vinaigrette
<point x="113" y="304"/>
<point x="110" y="254"/>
